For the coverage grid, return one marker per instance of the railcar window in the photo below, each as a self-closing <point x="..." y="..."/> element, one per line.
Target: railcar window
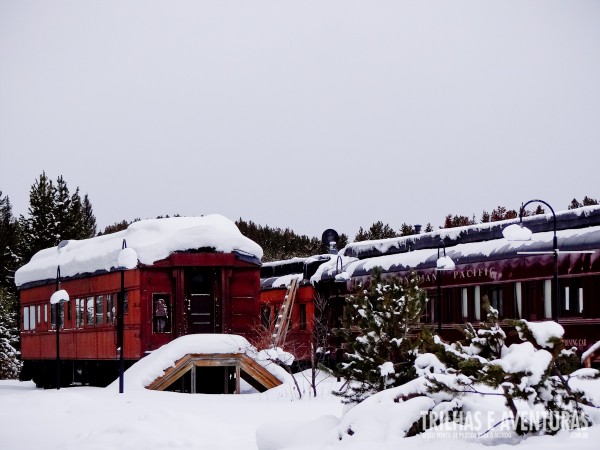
<point x="61" y="314"/>
<point x="580" y="303"/>
<point x="477" y="302"/>
<point x="60" y="307"/>
<point x="99" y="310"/>
<point x="265" y="317"/>
<point x="465" y="303"/>
<point x="39" y="314"/>
<point x="45" y="313"/>
<point x="302" y="316"/>
<point x="79" y="312"/>
<point x="32" y="317"/>
<point x="161" y="311"/>
<point x="26" y="318"/>
<point x="547" y="299"/>
<point x="519" y="299"/>
<point x="496" y="300"/>
<point x="110" y="309"/>
<point x="90" y="311"/>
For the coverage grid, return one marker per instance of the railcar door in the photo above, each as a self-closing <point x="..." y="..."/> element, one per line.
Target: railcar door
<point x="203" y="309"/>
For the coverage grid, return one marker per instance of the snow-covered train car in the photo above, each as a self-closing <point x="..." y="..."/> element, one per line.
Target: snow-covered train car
<point x="189" y="275"/>
<point x="517" y="276"/>
<point x="275" y="280"/>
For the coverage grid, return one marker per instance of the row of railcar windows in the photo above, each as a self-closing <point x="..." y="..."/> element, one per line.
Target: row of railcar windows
<point x="89" y="311"/>
<point x="531" y="300"/>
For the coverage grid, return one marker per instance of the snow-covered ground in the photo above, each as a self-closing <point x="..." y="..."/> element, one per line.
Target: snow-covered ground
<point x="93" y="418"/>
<point x="289" y="416"/>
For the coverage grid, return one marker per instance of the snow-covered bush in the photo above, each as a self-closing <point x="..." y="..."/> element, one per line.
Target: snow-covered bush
<point x="530" y="375"/>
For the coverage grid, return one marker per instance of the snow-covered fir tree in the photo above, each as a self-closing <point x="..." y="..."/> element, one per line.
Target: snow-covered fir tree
<point x="381" y="329"/>
<point x="10" y="365"/>
<point x="9" y="244"/>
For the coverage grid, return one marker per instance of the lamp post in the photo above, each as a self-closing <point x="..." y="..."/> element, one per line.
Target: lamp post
<point x="442" y="263"/>
<point x="556" y="312"/>
<point x="127" y="259"/>
<point x="60" y="296"/>
<point x="519" y="232"/>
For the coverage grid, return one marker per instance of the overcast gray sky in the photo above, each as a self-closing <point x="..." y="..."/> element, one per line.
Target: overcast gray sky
<point x="307" y="114"/>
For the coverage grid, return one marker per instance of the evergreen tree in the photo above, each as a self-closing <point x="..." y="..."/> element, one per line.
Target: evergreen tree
<point x="378" y="327"/>
<point x="9" y="245"/>
<point x="117" y="226"/>
<point x="587" y="201"/>
<point x="501" y="213"/>
<point x="40" y="229"/>
<point x="279" y="244"/>
<point x="575" y="204"/>
<point x="76" y="216"/>
<point x="457" y="221"/>
<point x="10" y="365"/>
<point x="428" y="228"/>
<point x="378" y="230"/>
<point x="407" y="230"/>
<point x="62" y="210"/>
<point x="89" y="220"/>
<point x="54" y="215"/>
<point x="362" y="235"/>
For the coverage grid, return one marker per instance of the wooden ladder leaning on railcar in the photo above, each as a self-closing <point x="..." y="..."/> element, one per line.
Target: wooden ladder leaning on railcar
<point x="285" y="314"/>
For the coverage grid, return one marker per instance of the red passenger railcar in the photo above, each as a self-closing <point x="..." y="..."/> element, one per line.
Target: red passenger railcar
<point x="194" y="275"/>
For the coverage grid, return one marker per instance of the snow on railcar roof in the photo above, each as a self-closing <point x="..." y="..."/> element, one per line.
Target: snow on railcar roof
<point x="575" y="218"/>
<point x="152" y="239"/>
<point x="568" y="240"/>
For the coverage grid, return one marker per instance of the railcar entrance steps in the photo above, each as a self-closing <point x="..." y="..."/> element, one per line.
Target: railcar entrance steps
<point x="284" y="316"/>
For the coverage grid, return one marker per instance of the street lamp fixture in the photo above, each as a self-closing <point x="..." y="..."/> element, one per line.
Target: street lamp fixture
<point x="443" y="263"/>
<point x="126" y="260"/>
